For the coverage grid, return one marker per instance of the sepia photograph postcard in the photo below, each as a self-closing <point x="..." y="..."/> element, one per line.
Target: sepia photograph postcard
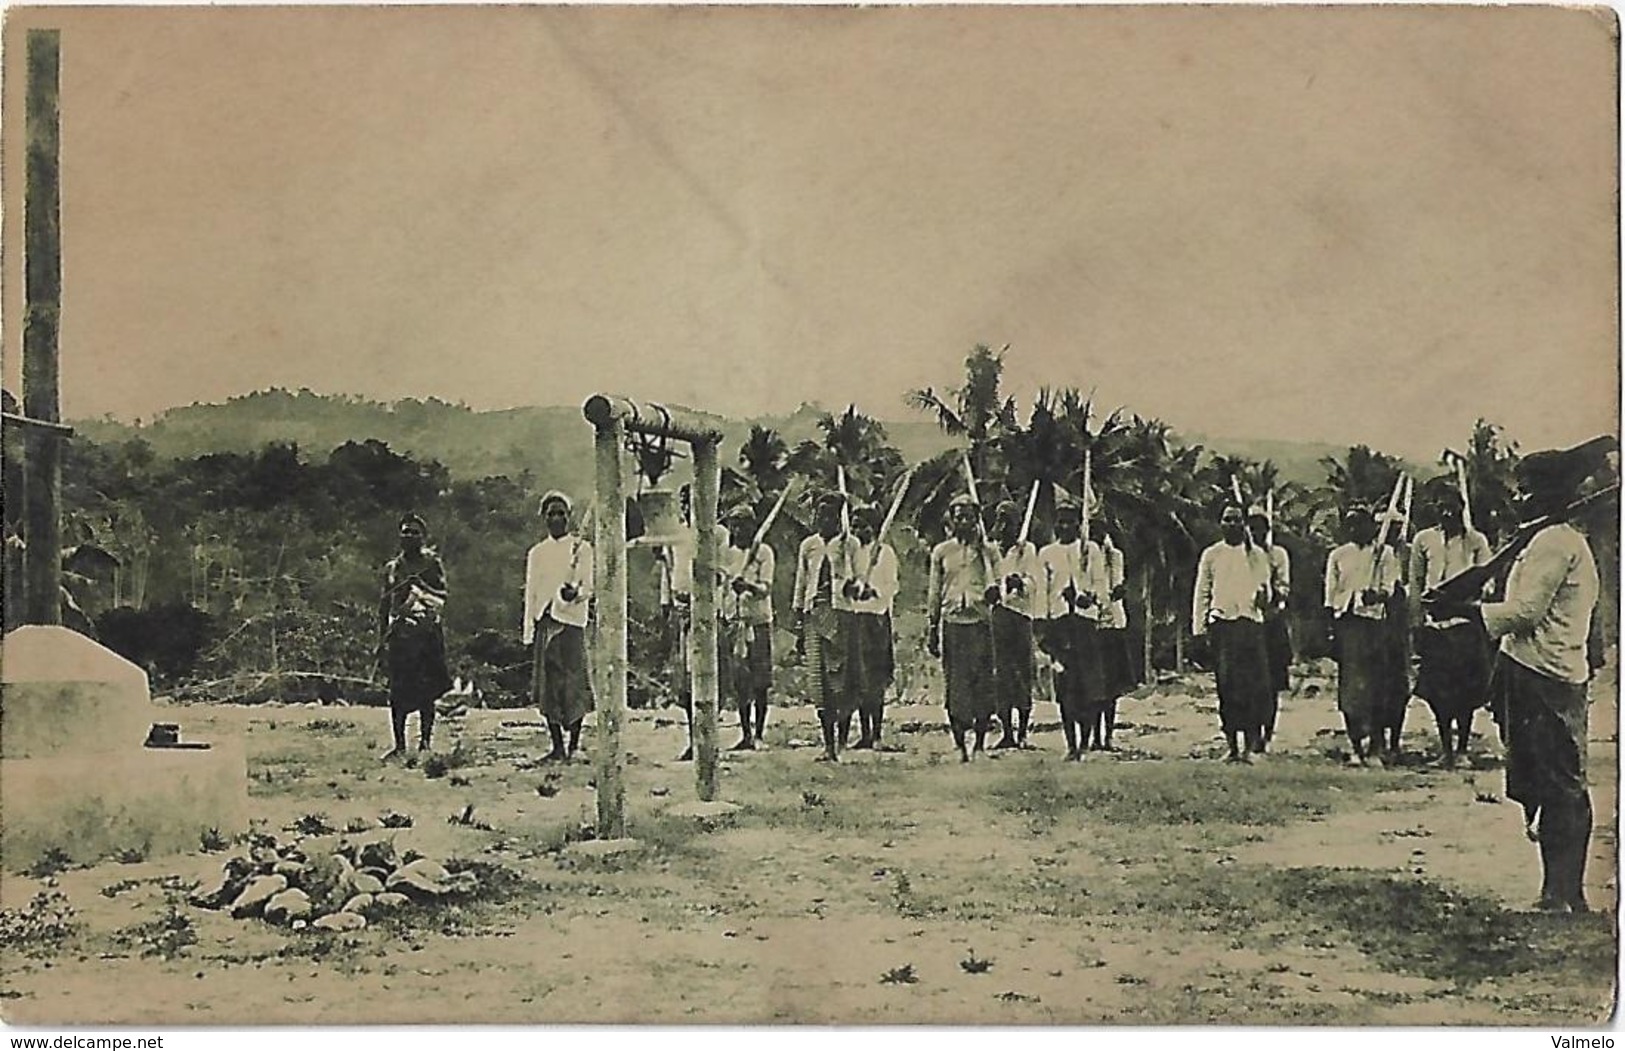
<point x="787" y="516"/>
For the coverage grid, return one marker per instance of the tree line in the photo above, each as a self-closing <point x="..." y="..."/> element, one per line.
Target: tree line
<point x="241" y="564"/>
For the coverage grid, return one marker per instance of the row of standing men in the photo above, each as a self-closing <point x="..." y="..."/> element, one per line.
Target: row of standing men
<point x="998" y="609"/>
<point x="994" y="606"/>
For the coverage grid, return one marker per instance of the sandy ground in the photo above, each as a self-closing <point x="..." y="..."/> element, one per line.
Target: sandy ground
<point x="1002" y="907"/>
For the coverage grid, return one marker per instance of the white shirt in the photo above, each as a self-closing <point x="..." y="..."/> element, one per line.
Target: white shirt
<point x="841" y="554"/>
<point x="757" y="571"/>
<point x="1229" y="579"/>
<point x="1551" y="593"/>
<point x="1079" y="566"/>
<point x="882" y="578"/>
<point x="548" y="567"/>
<point x="1021" y="562"/>
<point x="1352" y="569"/>
<point x="1436" y="558"/>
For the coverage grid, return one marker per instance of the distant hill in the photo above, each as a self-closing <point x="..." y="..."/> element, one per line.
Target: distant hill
<point x="553" y="443"/>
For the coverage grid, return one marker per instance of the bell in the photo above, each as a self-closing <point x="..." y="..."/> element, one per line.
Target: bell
<point x="662" y="522"/>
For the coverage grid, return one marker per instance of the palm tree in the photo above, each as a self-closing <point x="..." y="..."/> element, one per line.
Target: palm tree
<point x="976" y="409"/>
<point x="1363" y="476"/>
<point x="763" y="455"/>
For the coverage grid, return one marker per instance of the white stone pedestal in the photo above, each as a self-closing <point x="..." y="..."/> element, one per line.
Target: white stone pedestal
<point x="74" y="772"/>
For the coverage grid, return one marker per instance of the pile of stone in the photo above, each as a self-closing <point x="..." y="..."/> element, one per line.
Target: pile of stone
<point x="329" y="883"/>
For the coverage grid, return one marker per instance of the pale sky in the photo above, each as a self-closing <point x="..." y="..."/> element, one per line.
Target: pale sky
<point x="1316" y="223"/>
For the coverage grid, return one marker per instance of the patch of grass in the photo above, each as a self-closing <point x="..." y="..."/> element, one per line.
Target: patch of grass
<point x="393" y="819"/>
<point x="165" y="937"/>
<point x="972" y="965"/>
<point x="313" y="825"/>
<point x="903" y="975"/>
<point x="1406" y="924"/>
<point x="1178" y="794"/>
<point x="55" y="860"/>
<point x="329" y="727"/>
<point x="677" y="838"/>
<point x="41" y="926"/>
<point x="212" y="841"/>
<point x="132" y="855"/>
<point x="1416" y="926"/>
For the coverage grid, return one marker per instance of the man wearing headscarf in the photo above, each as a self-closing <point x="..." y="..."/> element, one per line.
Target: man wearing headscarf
<point x="1360" y="581"/>
<point x="1227" y="606"/>
<point x="745" y="646"/>
<point x="1277" y="641"/>
<point x="1020" y="590"/>
<point x="1076" y="586"/>
<point x="1116" y="664"/>
<point x="824" y="559"/>
<point x="558" y="593"/>
<point x="411" y="640"/>
<point x="1538" y="685"/>
<point x="963" y="588"/>
<point x="868" y="598"/>
<point x="1455" y="656"/>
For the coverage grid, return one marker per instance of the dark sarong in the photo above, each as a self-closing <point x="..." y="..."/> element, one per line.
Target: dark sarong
<point x="1080" y="684"/>
<point x="1241" y="672"/>
<point x="559" y="684"/>
<point x="825" y="647"/>
<point x="1543" y="725"/>
<point x="1116" y="662"/>
<point x="967" y="666"/>
<point x="1455" y="674"/>
<point x="1362" y="671"/>
<point x="1278" y="646"/>
<point x="869" y="658"/>
<point x="417" y="665"/>
<point x="1012" y="659"/>
<point x="745" y="660"/>
<point x="1395" y="693"/>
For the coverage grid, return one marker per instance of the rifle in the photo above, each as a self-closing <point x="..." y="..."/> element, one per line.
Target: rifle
<point x="1458" y="466"/>
<point x="885" y="525"/>
<point x="1246" y="534"/>
<point x="1382" y="533"/>
<point x="846" y="518"/>
<point x="1468" y="585"/>
<point x="767" y="523"/>
<point x="1027" y="519"/>
<point x="981" y="527"/>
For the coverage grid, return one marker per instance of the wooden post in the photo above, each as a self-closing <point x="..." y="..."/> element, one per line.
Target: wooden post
<point x="704" y="610"/>
<point x="609" y="655"/>
<point x="42" y="564"/>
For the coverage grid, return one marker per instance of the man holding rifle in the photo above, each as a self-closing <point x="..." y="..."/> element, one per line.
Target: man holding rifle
<point x="745" y="647"/>
<point x="1454" y="654"/>
<point x="1538" y="686"/>
<point x="1277" y="640"/>
<point x="1013" y="666"/>
<point x="962" y="591"/>
<point x="1076" y="586"/>
<point x="1361" y="576"/>
<point x="870" y="657"/>
<point x="825" y="559"/>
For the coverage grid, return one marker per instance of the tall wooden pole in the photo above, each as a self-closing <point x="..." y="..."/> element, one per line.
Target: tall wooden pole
<point x="42" y="241"/>
<point x="706" y="556"/>
<point x="609" y="656"/>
